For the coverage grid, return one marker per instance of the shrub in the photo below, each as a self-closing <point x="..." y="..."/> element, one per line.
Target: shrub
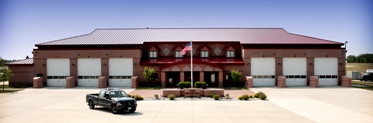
<point x="260" y="95"/>
<point x="156" y="96"/>
<point x="171" y="96"/>
<point x="199" y="84"/>
<point x="216" y="97"/>
<point x="137" y="97"/>
<point x="187" y="84"/>
<point x="181" y="85"/>
<point x="251" y="96"/>
<point x="240" y="98"/>
<point x="245" y="97"/>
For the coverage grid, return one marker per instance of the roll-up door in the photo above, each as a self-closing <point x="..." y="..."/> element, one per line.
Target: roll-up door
<point x="327" y="70"/>
<point x="263" y="71"/>
<point x="57" y="71"/>
<point x="89" y="69"/>
<point x="120" y="72"/>
<point x="295" y="71"/>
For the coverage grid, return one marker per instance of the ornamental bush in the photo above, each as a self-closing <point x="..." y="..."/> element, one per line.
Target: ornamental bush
<point x="187" y="84"/>
<point x="216" y="97"/>
<point x="137" y="97"/>
<point x="240" y="98"/>
<point x="199" y="84"/>
<point x="181" y="85"/>
<point x="260" y="95"/>
<point x="245" y="97"/>
<point x="171" y="96"/>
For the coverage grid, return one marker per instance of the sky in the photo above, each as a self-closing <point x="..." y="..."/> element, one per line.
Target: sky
<point x="24" y="23"/>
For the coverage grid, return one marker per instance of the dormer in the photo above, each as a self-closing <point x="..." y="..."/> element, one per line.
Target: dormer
<point x="177" y="51"/>
<point x="204" y="50"/>
<point x="230" y="51"/>
<point x="153" y="51"/>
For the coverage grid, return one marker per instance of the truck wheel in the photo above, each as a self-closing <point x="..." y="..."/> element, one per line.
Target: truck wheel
<point x="132" y="110"/>
<point x="365" y="79"/>
<point x="114" y="109"/>
<point x="91" y="105"/>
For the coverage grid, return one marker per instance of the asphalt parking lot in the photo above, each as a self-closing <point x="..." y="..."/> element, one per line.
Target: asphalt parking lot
<point x="304" y="104"/>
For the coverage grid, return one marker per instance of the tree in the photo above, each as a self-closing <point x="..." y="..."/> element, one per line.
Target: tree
<point x="149" y="74"/>
<point x="236" y="76"/>
<point x="351" y="59"/>
<point x="5" y="73"/>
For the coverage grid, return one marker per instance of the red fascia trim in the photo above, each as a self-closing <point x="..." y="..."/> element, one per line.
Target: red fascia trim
<point x="194" y="62"/>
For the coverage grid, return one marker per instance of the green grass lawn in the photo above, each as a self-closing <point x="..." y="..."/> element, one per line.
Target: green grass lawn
<point x="8" y="89"/>
<point x="362" y="84"/>
<point x="361" y="67"/>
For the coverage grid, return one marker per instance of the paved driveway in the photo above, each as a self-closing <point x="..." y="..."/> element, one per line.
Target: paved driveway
<point x="304" y="105"/>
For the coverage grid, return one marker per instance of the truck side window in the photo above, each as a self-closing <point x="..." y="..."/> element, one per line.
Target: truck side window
<point x="101" y="94"/>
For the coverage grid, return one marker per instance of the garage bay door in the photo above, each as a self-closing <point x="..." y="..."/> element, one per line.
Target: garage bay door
<point x="295" y="71"/>
<point x="120" y="72"/>
<point x="327" y="70"/>
<point x="57" y="71"/>
<point x="263" y="71"/>
<point x="89" y="69"/>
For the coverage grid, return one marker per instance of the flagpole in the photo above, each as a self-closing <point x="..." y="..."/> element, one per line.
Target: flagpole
<point x="191" y="62"/>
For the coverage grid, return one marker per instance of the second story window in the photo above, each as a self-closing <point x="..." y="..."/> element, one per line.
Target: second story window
<point x="153" y="54"/>
<point x="204" y="54"/>
<point x="230" y="54"/>
<point x="178" y="54"/>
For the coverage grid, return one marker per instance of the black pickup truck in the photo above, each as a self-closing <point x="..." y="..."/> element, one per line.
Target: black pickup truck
<point x="366" y="77"/>
<point x="115" y="99"/>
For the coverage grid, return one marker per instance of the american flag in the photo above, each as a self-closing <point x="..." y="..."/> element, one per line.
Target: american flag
<point x="187" y="47"/>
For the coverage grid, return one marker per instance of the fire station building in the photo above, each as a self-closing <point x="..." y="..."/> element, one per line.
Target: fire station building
<point x="116" y="57"/>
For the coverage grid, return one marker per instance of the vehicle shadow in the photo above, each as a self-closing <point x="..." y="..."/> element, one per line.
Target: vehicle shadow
<point x="124" y="113"/>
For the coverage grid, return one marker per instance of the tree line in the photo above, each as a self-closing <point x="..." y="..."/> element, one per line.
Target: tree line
<point x="362" y="58"/>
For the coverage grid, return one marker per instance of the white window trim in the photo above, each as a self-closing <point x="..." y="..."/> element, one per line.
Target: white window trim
<point x="178" y="54"/>
<point x="204" y="54"/>
<point x="230" y="54"/>
<point x="152" y="54"/>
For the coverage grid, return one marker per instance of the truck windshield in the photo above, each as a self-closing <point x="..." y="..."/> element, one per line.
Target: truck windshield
<point x="118" y="94"/>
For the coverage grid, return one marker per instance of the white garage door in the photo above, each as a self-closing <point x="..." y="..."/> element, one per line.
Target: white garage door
<point x="327" y="70"/>
<point x="295" y="70"/>
<point x="120" y="72"/>
<point x="57" y="71"/>
<point x="263" y="71"/>
<point x="89" y="69"/>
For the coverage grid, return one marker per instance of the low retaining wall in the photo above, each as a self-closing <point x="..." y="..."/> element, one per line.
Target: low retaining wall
<point x="192" y="92"/>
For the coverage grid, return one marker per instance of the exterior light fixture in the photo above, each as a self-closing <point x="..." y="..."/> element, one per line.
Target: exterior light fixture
<point x="104" y="65"/>
<point x="43" y="65"/>
<point x="340" y="64"/>
<point x="248" y="64"/>
<point x="73" y="65"/>
<point x="278" y="64"/>
<point x="310" y="64"/>
<point x="134" y="64"/>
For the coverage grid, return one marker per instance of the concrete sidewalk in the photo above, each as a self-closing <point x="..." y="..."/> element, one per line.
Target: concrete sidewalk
<point x="304" y="105"/>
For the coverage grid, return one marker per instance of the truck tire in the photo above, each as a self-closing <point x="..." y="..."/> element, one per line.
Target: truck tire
<point x="91" y="105"/>
<point x="114" y="109"/>
<point x="132" y="110"/>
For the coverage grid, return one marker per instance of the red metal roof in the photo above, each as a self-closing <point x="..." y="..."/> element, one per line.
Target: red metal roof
<point x="127" y="36"/>
<point x="29" y="61"/>
<point x="218" y="61"/>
